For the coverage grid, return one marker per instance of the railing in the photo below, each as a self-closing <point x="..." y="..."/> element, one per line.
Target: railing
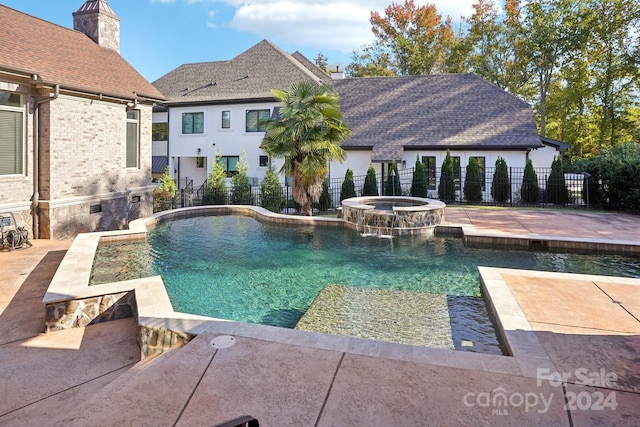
<point x="571" y="192"/>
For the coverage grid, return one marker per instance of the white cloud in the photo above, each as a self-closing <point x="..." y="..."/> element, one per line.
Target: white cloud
<point x="338" y="25"/>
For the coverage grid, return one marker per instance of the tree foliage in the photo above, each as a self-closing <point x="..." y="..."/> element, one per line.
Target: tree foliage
<point x="307" y="135"/>
<point x="614" y="181"/>
<point x="240" y="184"/>
<point x="216" y="192"/>
<point x="415" y="37"/>
<point x="165" y="193"/>
<point x="419" y="181"/>
<point x="530" y="189"/>
<point x="473" y="182"/>
<point x="271" y="194"/>
<point x="324" y="202"/>
<point x="557" y="191"/>
<point x="370" y="187"/>
<point x="348" y="189"/>
<point x="501" y="184"/>
<point x="447" y="185"/>
<point x="392" y="185"/>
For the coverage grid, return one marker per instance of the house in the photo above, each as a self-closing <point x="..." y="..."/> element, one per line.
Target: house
<point x="213" y="108"/>
<point x="75" y="125"/>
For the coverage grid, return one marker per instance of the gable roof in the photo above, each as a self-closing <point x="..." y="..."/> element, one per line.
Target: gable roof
<point x="558" y="145"/>
<point x="67" y="57"/>
<point x="249" y="76"/>
<point x="457" y="111"/>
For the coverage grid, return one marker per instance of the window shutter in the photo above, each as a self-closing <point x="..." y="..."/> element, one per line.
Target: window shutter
<point x="11" y="142"/>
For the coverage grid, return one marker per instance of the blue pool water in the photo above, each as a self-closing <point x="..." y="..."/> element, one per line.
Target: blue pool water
<point x="234" y="267"/>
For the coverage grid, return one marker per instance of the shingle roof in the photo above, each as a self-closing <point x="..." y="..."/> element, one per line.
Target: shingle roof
<point x="462" y="111"/>
<point x="250" y="75"/>
<point x="67" y="57"/>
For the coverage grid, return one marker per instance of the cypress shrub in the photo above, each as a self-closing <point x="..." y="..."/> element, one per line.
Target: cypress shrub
<point x="370" y="187"/>
<point x="472" y="182"/>
<point x="557" y="191"/>
<point x="419" y="182"/>
<point x="241" y="185"/>
<point x="392" y="185"/>
<point x="501" y="187"/>
<point x="216" y="193"/>
<point x="324" y="202"/>
<point x="447" y="185"/>
<point x="271" y="194"/>
<point x="348" y="188"/>
<point x="530" y="190"/>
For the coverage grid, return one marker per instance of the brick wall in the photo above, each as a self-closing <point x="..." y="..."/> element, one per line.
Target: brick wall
<point x="85" y="184"/>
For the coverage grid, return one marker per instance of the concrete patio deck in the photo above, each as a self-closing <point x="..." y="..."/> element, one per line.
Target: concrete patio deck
<point x="583" y="328"/>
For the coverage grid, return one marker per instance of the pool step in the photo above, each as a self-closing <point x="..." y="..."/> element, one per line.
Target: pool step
<point x="404" y="317"/>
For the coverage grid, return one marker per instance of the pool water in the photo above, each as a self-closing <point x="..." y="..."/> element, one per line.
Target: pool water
<point x="236" y="268"/>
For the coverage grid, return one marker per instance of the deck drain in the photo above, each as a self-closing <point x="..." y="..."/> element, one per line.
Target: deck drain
<point x="223" y="341"/>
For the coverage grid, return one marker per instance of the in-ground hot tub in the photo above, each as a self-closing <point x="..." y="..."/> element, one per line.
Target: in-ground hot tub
<point x="392" y="215"/>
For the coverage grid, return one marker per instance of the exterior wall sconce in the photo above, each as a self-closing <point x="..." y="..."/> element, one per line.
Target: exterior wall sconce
<point x="199" y="151"/>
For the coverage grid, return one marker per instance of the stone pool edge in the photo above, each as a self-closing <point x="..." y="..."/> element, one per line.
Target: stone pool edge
<point x="161" y="328"/>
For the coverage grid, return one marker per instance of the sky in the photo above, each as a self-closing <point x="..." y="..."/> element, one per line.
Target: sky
<point x="157" y="36"/>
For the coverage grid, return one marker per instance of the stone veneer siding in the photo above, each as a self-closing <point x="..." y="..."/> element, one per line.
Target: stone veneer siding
<point x="79" y="313"/>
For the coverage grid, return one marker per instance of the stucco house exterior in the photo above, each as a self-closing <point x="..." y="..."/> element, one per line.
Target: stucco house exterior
<point x="213" y="106"/>
<point x="75" y="125"/>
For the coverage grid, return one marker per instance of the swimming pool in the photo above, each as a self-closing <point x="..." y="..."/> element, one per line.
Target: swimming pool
<point x="237" y="268"/>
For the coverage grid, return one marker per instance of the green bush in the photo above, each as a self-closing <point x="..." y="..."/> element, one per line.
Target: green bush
<point x="557" y="191"/>
<point x="216" y="192"/>
<point x="324" y="202"/>
<point x="348" y="188"/>
<point x="370" y="187"/>
<point x="473" y="182"/>
<point x="164" y="195"/>
<point x="392" y="185"/>
<point x="447" y="185"/>
<point x="241" y="185"/>
<point x="271" y="194"/>
<point x="530" y="190"/>
<point x="501" y="185"/>
<point x="614" y="181"/>
<point x="419" y="181"/>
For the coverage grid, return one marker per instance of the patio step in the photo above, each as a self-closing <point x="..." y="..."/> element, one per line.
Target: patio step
<point x="154" y="390"/>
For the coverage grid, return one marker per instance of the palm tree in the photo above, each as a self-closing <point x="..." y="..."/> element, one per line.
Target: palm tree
<point x="307" y="134"/>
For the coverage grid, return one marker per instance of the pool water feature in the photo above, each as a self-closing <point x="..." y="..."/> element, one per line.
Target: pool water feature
<point x="388" y="216"/>
<point x="234" y="267"/>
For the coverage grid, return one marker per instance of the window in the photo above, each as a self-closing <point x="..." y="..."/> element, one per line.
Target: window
<point x="11" y="133"/>
<point x="192" y="123"/>
<point x="159" y="131"/>
<point x="481" y="163"/>
<point x="230" y="164"/>
<point x="429" y="163"/>
<point x="254" y="117"/>
<point x="226" y="119"/>
<point x="264" y="161"/>
<point x="199" y="162"/>
<point x="133" y="122"/>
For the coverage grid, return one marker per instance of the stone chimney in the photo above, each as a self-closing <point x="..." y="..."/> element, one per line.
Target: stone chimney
<point x="97" y="20"/>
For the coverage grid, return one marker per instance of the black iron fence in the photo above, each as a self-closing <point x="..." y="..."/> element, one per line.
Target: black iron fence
<point x="570" y="190"/>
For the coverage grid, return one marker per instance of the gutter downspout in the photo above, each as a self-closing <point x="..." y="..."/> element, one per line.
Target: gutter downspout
<point x="35" y="200"/>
